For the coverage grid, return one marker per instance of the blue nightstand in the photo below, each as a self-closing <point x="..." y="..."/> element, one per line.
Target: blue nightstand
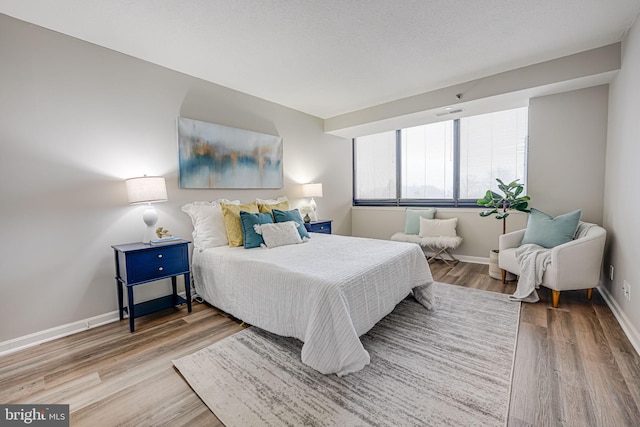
<point x="323" y="226"/>
<point x="139" y="263"/>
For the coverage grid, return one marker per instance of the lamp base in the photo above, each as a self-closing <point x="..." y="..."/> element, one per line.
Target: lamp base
<point x="314" y="208"/>
<point x="150" y="217"/>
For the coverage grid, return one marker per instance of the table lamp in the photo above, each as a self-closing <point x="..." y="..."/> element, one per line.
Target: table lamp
<point x="147" y="189"/>
<point x="313" y="189"/>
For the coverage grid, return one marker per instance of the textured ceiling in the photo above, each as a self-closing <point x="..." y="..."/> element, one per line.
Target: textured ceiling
<point x="330" y="57"/>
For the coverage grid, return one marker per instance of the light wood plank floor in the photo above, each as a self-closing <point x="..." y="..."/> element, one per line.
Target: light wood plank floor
<point x="573" y="365"/>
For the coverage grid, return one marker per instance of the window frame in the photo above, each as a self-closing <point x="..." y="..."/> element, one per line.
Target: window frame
<point x="454" y="202"/>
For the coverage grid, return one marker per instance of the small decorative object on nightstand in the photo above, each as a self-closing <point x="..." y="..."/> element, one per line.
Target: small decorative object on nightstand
<point x="322" y="226"/>
<point x="139" y="263"/>
<point x="162" y="233"/>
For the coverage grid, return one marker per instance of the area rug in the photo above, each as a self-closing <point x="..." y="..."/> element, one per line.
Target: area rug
<point x="447" y="367"/>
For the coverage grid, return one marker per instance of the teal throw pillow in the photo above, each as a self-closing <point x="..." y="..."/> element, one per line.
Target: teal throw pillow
<point x="294" y="215"/>
<point x="412" y="219"/>
<point x="247" y="221"/>
<point x="547" y="231"/>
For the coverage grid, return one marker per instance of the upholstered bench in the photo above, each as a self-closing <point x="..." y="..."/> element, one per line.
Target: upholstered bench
<point x="436" y="237"/>
<point x="435" y="248"/>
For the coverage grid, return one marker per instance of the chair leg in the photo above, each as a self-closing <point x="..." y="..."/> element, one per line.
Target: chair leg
<point x="504" y="276"/>
<point x="555" y="296"/>
<point x="589" y="293"/>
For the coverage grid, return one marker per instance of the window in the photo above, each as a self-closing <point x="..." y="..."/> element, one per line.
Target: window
<point x="427" y="161"/>
<point x="492" y="146"/>
<point x="449" y="163"/>
<point x="376" y="170"/>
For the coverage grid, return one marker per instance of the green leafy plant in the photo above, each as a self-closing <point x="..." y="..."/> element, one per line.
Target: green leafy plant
<point x="500" y="205"/>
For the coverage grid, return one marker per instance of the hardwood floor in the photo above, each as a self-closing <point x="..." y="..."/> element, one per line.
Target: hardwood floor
<point x="573" y="366"/>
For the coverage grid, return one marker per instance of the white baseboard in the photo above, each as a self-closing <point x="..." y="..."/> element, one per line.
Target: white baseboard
<point x="40" y="337"/>
<point x="629" y="330"/>
<point x="473" y="259"/>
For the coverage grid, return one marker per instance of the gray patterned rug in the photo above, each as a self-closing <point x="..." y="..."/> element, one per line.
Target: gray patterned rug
<point x="446" y="367"/>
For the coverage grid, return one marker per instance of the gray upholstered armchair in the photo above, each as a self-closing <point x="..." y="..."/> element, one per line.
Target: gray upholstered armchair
<point x="574" y="265"/>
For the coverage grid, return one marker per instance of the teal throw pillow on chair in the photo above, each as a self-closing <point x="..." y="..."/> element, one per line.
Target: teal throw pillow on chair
<point x="547" y="231"/>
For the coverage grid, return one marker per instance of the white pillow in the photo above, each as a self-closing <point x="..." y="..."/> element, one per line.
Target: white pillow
<point x="438" y="227"/>
<point x="279" y="234"/>
<point x="208" y="223"/>
<point x="229" y="202"/>
<point x="272" y="201"/>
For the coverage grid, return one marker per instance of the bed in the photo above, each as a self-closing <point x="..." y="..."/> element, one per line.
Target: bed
<point x="326" y="292"/>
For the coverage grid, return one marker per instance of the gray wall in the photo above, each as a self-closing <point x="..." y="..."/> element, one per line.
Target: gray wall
<point x="567" y="143"/>
<point x="77" y="120"/>
<point x="567" y="140"/>
<point x="621" y="203"/>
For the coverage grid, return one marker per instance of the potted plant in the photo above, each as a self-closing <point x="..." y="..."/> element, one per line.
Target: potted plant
<point x="500" y="205"/>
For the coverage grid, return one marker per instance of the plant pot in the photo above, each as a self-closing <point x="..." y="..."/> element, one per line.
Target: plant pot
<point x="494" y="270"/>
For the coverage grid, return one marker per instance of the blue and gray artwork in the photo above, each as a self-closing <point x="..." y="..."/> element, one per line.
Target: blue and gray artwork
<point x="215" y="156"/>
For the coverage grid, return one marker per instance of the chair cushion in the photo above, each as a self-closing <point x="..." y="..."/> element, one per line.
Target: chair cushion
<point x="428" y="242"/>
<point x="547" y="231"/>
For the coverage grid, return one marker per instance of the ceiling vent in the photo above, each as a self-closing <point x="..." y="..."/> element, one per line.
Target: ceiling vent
<point x="449" y="112"/>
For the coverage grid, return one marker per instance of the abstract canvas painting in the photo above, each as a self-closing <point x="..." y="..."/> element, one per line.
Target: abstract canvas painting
<point x="216" y="156"/>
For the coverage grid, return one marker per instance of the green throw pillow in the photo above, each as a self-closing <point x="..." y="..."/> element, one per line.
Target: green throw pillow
<point x="547" y="231"/>
<point x="412" y="219"/>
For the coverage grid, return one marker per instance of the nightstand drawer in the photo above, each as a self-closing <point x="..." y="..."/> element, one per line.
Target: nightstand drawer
<point x="156" y="263"/>
<point x="319" y="227"/>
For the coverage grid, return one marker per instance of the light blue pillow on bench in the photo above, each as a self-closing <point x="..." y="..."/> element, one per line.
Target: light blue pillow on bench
<point x="547" y="231"/>
<point x="412" y="219"/>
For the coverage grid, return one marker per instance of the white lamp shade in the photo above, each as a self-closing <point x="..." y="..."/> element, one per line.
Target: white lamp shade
<point x="146" y="189"/>
<point x="313" y="189"/>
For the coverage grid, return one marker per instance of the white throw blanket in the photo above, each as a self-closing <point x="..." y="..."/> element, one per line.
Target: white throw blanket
<point x="533" y="261"/>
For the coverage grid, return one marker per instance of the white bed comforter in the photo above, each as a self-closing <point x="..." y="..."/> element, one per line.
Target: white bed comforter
<point x="325" y="292"/>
